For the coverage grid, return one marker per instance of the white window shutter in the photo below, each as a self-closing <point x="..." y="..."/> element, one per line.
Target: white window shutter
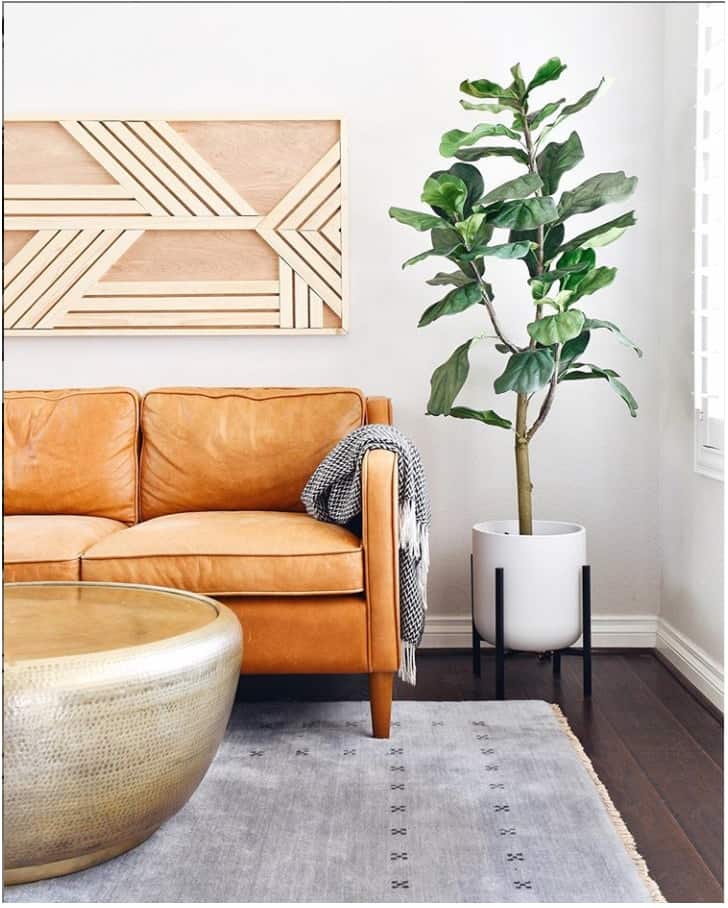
<point x="709" y="313"/>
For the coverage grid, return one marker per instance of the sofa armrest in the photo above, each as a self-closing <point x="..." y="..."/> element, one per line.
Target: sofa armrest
<point x="380" y="531"/>
<point x="379" y="410"/>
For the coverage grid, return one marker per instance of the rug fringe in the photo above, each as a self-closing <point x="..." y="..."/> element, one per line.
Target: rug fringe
<point x="614" y="815"/>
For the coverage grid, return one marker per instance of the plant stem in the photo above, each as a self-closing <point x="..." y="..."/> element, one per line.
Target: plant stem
<point x="549" y="399"/>
<point x="491" y="312"/>
<point x="532" y="168"/>
<point x="539" y="270"/>
<point x="551" y="393"/>
<point x="523" y="470"/>
<point x="523" y="466"/>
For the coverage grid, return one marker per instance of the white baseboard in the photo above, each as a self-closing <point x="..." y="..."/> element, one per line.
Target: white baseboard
<point x="691" y="661"/>
<point x="442" y="631"/>
<point x="623" y="631"/>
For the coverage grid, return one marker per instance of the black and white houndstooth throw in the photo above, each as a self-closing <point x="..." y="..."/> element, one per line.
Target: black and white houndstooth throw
<point x="333" y="494"/>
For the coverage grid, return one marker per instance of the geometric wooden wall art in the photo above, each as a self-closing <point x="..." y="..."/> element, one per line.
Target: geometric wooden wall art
<point x="193" y="226"/>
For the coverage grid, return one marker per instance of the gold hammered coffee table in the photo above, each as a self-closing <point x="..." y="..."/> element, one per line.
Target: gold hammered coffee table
<point x="116" y="699"/>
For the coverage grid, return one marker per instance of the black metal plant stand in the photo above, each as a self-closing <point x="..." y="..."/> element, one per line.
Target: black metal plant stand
<point x="555" y="655"/>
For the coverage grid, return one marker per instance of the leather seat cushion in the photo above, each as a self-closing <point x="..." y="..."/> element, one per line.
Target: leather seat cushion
<point x="49" y="546"/>
<point x="232" y="553"/>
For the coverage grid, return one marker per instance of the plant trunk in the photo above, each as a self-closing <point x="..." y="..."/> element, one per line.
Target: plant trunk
<point x="523" y="470"/>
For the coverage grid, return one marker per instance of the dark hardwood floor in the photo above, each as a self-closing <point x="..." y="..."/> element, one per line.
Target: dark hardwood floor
<point x="656" y="748"/>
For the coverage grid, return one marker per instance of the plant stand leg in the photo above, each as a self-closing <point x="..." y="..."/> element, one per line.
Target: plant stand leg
<point x="586" y="627"/>
<point x="476" y="635"/>
<point x="556" y="663"/>
<point x="499" y="637"/>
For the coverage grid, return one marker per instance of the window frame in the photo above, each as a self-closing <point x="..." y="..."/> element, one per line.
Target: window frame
<point x="709" y="432"/>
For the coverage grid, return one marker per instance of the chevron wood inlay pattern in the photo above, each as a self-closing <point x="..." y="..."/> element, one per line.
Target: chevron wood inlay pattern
<point x="292" y="229"/>
<point x="251" y="211"/>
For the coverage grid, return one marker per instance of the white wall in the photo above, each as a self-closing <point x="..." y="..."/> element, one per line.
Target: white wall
<point x="690" y="505"/>
<point x="394" y="71"/>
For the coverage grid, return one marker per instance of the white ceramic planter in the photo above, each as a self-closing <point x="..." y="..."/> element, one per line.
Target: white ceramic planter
<point x="541" y="583"/>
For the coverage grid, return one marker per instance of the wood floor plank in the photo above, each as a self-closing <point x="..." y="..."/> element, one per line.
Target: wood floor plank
<point x="687" y="779"/>
<point x="704" y="727"/>
<point x="674" y="861"/>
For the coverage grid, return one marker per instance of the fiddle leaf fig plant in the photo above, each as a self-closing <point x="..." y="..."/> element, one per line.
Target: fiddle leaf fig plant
<point x="525" y="218"/>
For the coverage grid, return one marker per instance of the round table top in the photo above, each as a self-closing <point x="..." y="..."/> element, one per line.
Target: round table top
<point x="47" y="620"/>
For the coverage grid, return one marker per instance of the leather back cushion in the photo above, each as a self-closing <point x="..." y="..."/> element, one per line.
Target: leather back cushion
<point x="72" y="452"/>
<point x="242" y="449"/>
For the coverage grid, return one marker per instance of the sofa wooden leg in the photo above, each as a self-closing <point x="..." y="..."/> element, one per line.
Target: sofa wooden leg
<point x="380" y="700"/>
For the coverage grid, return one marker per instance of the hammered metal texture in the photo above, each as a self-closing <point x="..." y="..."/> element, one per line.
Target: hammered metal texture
<point x="103" y="747"/>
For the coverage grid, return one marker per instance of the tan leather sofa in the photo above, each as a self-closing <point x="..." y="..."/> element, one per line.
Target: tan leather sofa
<point x="199" y="489"/>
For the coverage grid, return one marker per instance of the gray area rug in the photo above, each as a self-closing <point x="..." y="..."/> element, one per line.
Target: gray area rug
<point x="467" y="802"/>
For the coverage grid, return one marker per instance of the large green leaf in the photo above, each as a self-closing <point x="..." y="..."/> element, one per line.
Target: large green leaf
<point x="553" y="238"/>
<point x="529" y="236"/>
<point x="420" y="257"/>
<point x="458" y="138"/>
<point x="526" y="372"/>
<point x="519" y="188"/>
<point x="484" y="88"/>
<point x="557" y="329"/>
<point x="473" y="179"/>
<point x="444" y="238"/>
<point x="625" y="394"/>
<point x="445" y="192"/>
<point x="489" y="417"/>
<point x="592" y="281"/>
<point x="549" y="71"/>
<point x="492" y="151"/>
<point x="603" y="234"/>
<point x="536" y="118"/>
<point x="596" y="191"/>
<point x="490" y="108"/>
<point x="610" y="376"/>
<point x="455" y="301"/>
<point x="576" y="373"/>
<point x="456" y="278"/>
<point x="518" y="85"/>
<point x="548" y="277"/>
<point x="417" y="219"/>
<point x="578" y="261"/>
<point x="474" y="230"/>
<point x="556" y="159"/>
<point x="577" y="257"/>
<point x="604" y="239"/>
<point x="500" y="251"/>
<point x="573" y="349"/>
<point x="583" y="101"/>
<point x="445" y="242"/>
<point x="524" y="214"/>
<point x="538" y="288"/>
<point x="448" y="379"/>
<point x="591" y="324"/>
<point x="570" y="109"/>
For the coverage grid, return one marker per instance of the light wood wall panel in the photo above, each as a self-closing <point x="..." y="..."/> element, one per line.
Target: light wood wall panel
<point x="148" y="226"/>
